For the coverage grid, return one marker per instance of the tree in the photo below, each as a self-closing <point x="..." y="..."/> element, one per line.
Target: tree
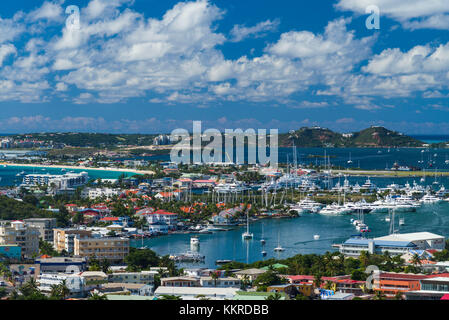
<point x="416" y="260"/>
<point x="214" y="276"/>
<point x="267" y="279"/>
<point x="96" y="296"/>
<point x="275" y="296"/>
<point x="141" y="259"/>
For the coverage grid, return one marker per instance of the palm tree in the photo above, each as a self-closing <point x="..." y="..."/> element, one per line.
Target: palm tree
<point x="416" y="260"/>
<point x="96" y="296"/>
<point x="214" y="276"/>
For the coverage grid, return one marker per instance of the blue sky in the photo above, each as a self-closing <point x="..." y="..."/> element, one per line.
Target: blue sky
<point x="147" y="66"/>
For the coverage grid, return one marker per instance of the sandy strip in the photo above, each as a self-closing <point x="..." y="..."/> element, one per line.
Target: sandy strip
<point x="76" y="167"/>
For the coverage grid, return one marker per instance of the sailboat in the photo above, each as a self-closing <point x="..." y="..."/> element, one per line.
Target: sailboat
<point x="247" y="235"/>
<point x="349" y="161"/>
<point x="262" y="241"/>
<point x="279" y="247"/>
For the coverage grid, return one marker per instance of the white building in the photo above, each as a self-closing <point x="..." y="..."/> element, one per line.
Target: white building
<point x="395" y="244"/>
<point x="60" y="182"/>
<point x="74" y="282"/>
<point x="94" y="193"/>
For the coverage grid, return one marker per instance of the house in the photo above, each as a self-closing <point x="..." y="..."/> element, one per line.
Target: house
<point x="169" y="218"/>
<point x="288" y="289"/>
<point x="180" y="282"/>
<point x="250" y="274"/>
<point x="168" y="196"/>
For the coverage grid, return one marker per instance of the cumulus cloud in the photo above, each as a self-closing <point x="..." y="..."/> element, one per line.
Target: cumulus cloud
<point x="118" y="54"/>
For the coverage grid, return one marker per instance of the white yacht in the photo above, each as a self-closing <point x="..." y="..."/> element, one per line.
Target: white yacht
<point x="307" y="206"/>
<point x="316" y="237"/>
<point x="429" y="199"/>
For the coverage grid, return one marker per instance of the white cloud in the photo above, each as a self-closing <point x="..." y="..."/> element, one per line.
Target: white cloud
<point x="51" y="11"/>
<point x="5" y="51"/>
<point x="413" y="14"/>
<point x="241" y="32"/>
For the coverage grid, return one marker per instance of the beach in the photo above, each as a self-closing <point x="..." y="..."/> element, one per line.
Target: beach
<point x="77" y="167"/>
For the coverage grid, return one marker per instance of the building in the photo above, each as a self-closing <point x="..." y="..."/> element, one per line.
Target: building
<point x="168" y="218"/>
<point x="227" y="282"/>
<point x="395" y="244"/>
<point x="61" y="265"/>
<point x="250" y="274"/>
<point x="180" y="282"/>
<point x="45" y="227"/>
<point x="10" y="251"/>
<point x="390" y="283"/>
<point x="59" y="182"/>
<point x="145" y="277"/>
<point x="74" y="282"/>
<point x="21" y="234"/>
<point x="113" y="249"/>
<point x="95" y="193"/>
<point x="196" y="293"/>
<point x="134" y="289"/>
<point x="64" y="239"/>
<point x="288" y="289"/>
<point x="432" y="288"/>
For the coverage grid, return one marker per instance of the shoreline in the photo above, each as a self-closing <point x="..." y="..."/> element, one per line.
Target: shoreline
<point x="9" y="164"/>
<point x="388" y="174"/>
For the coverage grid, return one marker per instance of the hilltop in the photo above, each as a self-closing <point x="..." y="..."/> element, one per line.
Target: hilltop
<point x="370" y="137"/>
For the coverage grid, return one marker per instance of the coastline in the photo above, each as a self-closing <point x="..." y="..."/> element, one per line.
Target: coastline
<point x="9" y="164"/>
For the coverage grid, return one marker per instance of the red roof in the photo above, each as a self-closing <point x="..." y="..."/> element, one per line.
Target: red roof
<point x="163" y="212"/>
<point x="445" y="297"/>
<point x="109" y="219"/>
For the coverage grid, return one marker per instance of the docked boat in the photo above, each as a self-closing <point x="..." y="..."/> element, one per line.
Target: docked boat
<point x="188" y="257"/>
<point x="194" y="241"/>
<point x="429" y="199"/>
<point x="247" y="235"/>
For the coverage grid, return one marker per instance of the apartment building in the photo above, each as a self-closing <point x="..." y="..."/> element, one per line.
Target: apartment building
<point x="45" y="227"/>
<point x="112" y="249"/>
<point x="64" y="239"/>
<point x="146" y="277"/>
<point x="21" y="234"/>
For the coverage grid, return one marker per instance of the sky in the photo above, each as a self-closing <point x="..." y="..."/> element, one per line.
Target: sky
<point x="146" y="66"/>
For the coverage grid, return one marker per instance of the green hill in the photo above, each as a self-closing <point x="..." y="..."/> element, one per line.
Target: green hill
<point x="370" y="137"/>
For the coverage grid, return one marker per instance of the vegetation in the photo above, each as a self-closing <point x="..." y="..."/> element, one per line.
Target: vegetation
<point x="370" y="137"/>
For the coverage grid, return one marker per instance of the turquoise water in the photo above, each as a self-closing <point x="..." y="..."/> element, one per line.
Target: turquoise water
<point x="9" y="176"/>
<point x="296" y="235"/>
<point x="366" y="158"/>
